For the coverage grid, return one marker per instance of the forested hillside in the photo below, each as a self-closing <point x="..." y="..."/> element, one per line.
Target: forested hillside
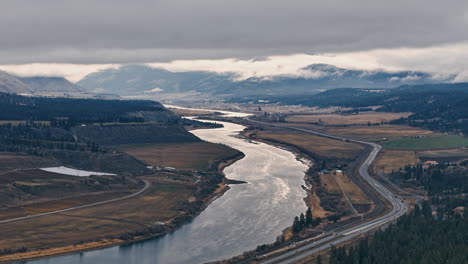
<point x="74" y="111"/>
<point x="80" y="132"/>
<point x="417" y="238"/>
<point x="441" y="107"/>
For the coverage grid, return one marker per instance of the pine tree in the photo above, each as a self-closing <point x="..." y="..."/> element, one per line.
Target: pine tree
<point x="319" y="259"/>
<point x="308" y="217"/>
<point x="302" y="221"/>
<point x="296" y="228"/>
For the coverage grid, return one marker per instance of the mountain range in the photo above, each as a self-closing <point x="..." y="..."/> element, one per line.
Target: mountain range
<point x="140" y="80"/>
<point x="147" y="82"/>
<point x="33" y="85"/>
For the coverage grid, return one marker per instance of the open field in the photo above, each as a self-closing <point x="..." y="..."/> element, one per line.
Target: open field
<point x="340" y="184"/>
<point x="19" y="122"/>
<point x="313" y="201"/>
<point x="368" y="133"/>
<point x="185" y="156"/>
<point x="392" y="160"/>
<point x="428" y="143"/>
<point x="160" y="203"/>
<point x="451" y="155"/>
<point x="187" y="112"/>
<point x="13" y="161"/>
<point x="362" y="118"/>
<point x="355" y="195"/>
<point x="321" y="146"/>
<point x="37" y="207"/>
<point x="21" y="187"/>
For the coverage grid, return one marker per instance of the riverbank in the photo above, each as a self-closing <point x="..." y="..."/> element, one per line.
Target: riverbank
<point x="170" y="225"/>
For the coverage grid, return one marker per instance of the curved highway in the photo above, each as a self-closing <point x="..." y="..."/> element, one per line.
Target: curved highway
<point x="399" y="208"/>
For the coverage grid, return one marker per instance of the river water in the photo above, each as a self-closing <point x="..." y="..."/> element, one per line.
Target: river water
<point x="245" y="216"/>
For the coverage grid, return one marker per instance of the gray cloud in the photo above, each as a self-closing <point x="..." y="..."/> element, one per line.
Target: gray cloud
<point x="117" y="31"/>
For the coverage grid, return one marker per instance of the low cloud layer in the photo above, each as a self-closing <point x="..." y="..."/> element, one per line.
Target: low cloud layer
<point x="252" y="38"/>
<point x="120" y="31"/>
<point x="440" y="61"/>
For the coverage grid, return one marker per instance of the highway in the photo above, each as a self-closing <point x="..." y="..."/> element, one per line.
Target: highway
<point x="147" y="185"/>
<point x="399" y="208"/>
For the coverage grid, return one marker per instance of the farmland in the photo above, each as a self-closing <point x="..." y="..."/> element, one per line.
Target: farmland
<point x="185" y="156"/>
<point x="429" y="143"/>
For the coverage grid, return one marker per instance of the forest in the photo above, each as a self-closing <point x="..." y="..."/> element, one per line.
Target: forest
<point x="68" y="112"/>
<point x="418" y="238"/>
<point x="440" y="179"/>
<point x="439" y="107"/>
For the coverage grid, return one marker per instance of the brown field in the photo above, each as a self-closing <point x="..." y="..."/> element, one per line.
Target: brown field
<point x="42" y="207"/>
<point x="14" y="161"/>
<point x="186" y="112"/>
<point x="355" y="195"/>
<point x="342" y="185"/>
<point x="184" y="156"/>
<point x="451" y="155"/>
<point x="335" y="119"/>
<point x="321" y="146"/>
<point x="313" y="201"/>
<point x="372" y="133"/>
<point x="160" y="203"/>
<point x="19" y="122"/>
<point x="393" y="160"/>
<point x="32" y="186"/>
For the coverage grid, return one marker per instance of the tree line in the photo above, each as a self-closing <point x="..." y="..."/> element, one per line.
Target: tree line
<point x="417" y="238"/>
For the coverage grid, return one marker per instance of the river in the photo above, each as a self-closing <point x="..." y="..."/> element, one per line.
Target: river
<point x="245" y="216"/>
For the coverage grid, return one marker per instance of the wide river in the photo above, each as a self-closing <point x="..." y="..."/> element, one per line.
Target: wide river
<point x="245" y="216"/>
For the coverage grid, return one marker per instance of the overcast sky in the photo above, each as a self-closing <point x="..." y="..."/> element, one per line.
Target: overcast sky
<point x="94" y="34"/>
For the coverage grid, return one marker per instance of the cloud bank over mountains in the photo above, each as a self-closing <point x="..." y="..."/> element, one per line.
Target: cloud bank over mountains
<point x="251" y="38"/>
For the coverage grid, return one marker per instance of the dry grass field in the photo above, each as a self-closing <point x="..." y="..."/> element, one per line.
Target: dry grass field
<point x="14" y="161"/>
<point x="187" y="112"/>
<point x="340" y="184"/>
<point x="321" y="146"/>
<point x="334" y="119"/>
<point x="393" y="160"/>
<point x="313" y="201"/>
<point x="368" y="133"/>
<point x="15" y="123"/>
<point x="37" y="207"/>
<point x="160" y="203"/>
<point x="355" y="195"/>
<point x="185" y="156"/>
<point x="451" y="155"/>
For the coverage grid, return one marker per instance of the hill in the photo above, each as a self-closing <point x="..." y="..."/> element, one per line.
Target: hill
<point x="144" y="80"/>
<point x="51" y="84"/>
<point x="441" y="107"/>
<point x="11" y="84"/>
<point x="36" y="85"/>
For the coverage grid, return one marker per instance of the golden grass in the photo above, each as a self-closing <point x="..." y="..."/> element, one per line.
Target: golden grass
<point x="335" y="119"/>
<point x="322" y="146"/>
<point x="313" y="201"/>
<point x="368" y="133"/>
<point x="461" y="152"/>
<point x="160" y="203"/>
<point x="59" y="250"/>
<point x="187" y="112"/>
<point x="185" y="156"/>
<point x="47" y="206"/>
<point x="355" y="195"/>
<point x="393" y="160"/>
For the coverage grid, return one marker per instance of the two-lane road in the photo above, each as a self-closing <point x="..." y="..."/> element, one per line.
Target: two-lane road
<point x="399" y="207"/>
